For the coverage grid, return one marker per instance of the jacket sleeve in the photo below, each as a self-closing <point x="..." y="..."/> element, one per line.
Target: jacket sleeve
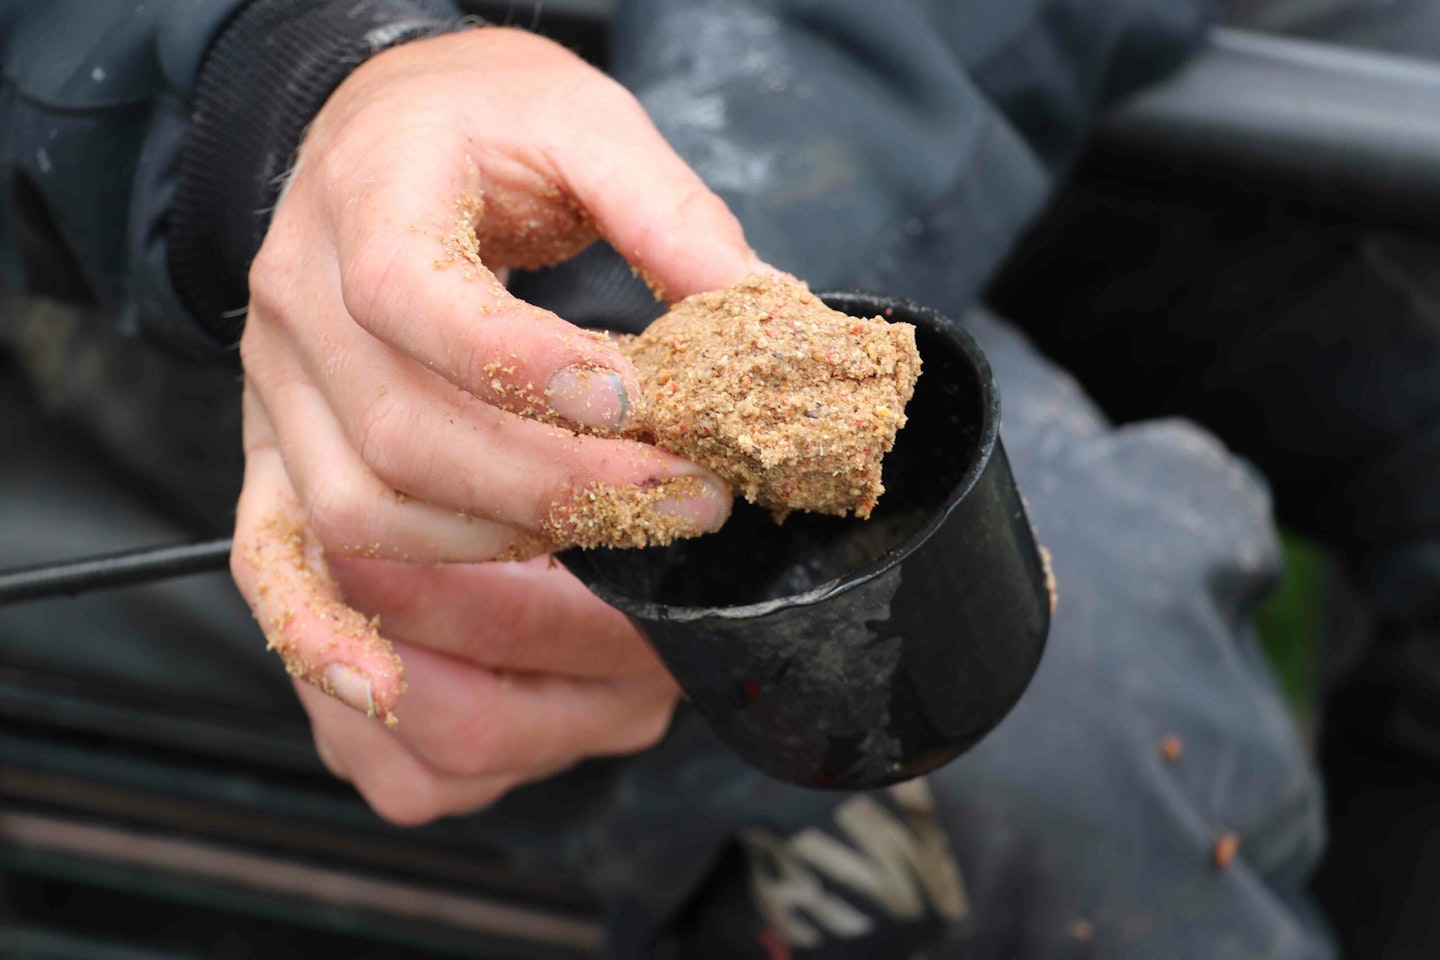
<point x="121" y="182"/>
<point x="900" y="146"/>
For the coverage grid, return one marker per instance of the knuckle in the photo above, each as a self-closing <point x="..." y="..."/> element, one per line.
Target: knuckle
<point x="251" y="347"/>
<point x="367" y="276"/>
<point x="464" y="764"/>
<point x="481" y="370"/>
<point x="240" y="570"/>
<point x="553" y="508"/>
<point x="613" y="95"/>
<point x="473" y="747"/>
<point x="408" y="802"/>
<point x="592" y="99"/>
<point x="330" y="758"/>
<point x="649" y="730"/>
<point x="334" y="512"/>
<point x="511" y="627"/>
<point x="335" y="154"/>
<point x="271" y="273"/>
<point x="699" y="204"/>
<point x="380" y="427"/>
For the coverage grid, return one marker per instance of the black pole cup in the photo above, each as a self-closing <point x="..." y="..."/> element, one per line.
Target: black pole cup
<point x="846" y="653"/>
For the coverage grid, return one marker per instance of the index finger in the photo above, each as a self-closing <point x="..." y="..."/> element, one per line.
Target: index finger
<point x="412" y="270"/>
<point x="410" y="274"/>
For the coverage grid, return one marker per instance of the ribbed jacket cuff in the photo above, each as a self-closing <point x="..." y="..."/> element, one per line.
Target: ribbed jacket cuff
<point x="263" y="81"/>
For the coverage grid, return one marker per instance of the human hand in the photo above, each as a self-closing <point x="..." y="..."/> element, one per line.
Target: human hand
<point x="401" y="405"/>
<point x="515" y="671"/>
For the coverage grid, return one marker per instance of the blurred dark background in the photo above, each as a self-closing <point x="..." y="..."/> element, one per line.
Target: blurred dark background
<point x="1280" y="186"/>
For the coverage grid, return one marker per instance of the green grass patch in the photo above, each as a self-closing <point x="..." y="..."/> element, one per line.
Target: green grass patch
<point x="1291" y="622"/>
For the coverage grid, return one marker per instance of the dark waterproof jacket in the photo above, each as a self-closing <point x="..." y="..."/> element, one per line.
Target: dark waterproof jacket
<point x="899" y="145"/>
<point x="935" y="127"/>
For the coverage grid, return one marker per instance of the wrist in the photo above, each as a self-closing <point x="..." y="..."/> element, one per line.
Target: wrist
<point x="263" y="81"/>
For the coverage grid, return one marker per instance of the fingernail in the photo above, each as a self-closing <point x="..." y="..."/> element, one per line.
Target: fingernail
<point x="702" y="502"/>
<point x="588" y="396"/>
<point x="350" y="687"/>
<point x="331" y="761"/>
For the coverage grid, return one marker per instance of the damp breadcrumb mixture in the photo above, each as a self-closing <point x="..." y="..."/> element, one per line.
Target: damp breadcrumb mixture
<point x="792" y="403"/>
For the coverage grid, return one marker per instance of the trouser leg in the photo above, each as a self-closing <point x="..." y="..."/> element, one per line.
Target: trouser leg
<point x="1313" y="348"/>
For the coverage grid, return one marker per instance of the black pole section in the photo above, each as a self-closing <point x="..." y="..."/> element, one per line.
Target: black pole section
<point x="115" y="570"/>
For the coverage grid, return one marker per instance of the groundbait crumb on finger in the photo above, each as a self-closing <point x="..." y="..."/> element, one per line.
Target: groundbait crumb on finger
<point x="352" y="662"/>
<point x="637" y="515"/>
